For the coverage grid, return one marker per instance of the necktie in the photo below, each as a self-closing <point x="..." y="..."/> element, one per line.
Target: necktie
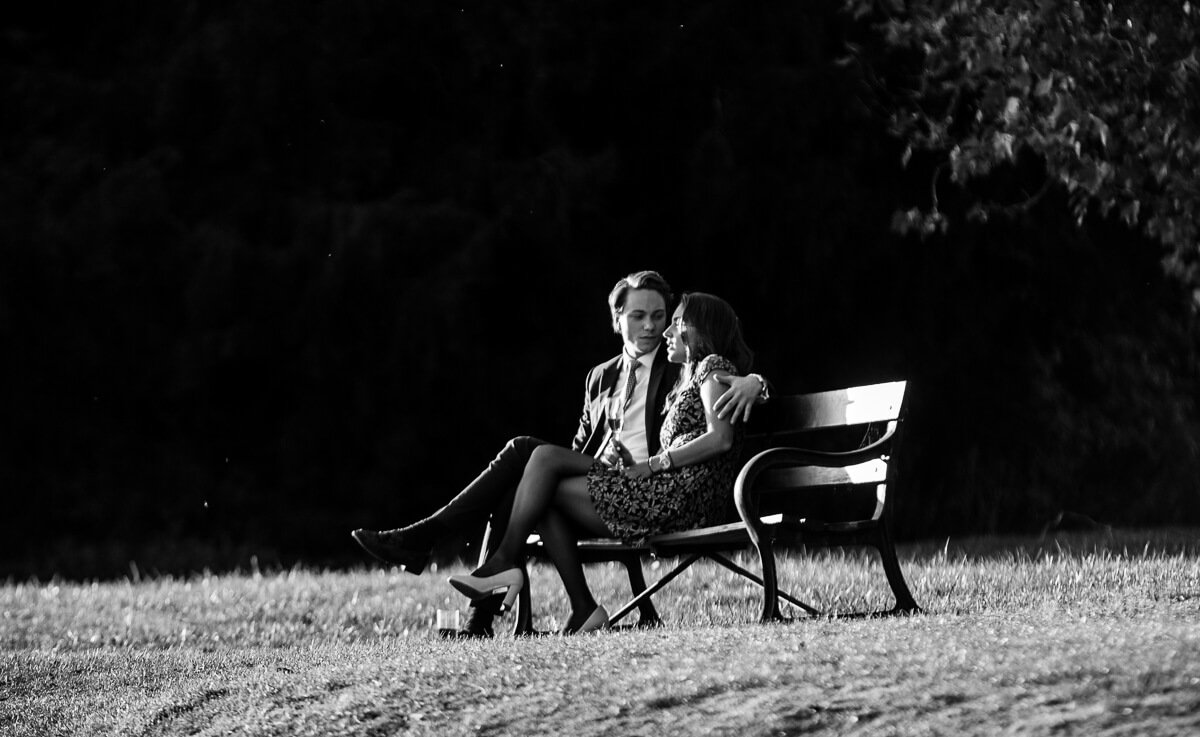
<point x="631" y="380"/>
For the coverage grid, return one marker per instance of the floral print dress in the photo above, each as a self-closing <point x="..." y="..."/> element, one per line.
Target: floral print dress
<point x="680" y="498"/>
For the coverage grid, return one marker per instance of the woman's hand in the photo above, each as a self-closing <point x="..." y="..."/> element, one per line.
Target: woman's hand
<point x="616" y="455"/>
<point x="638" y="470"/>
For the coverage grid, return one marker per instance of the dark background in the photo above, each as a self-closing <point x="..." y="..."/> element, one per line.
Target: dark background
<point x="272" y="270"/>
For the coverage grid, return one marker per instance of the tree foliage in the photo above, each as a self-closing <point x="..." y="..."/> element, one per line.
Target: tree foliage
<point x="1104" y="95"/>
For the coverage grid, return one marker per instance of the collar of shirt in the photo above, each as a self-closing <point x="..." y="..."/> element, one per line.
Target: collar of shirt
<point x="646" y="359"/>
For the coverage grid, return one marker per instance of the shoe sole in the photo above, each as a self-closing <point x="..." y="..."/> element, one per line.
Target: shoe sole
<point x="414" y="563"/>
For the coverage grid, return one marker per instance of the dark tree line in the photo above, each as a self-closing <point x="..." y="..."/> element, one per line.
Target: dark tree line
<point x="271" y="270"/>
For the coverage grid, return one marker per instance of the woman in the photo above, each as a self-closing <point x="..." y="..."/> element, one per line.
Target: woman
<point x="563" y="493"/>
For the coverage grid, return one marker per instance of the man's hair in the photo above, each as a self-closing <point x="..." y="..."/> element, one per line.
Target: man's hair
<point x="640" y="280"/>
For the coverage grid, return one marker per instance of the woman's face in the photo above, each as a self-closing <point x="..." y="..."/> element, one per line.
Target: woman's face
<point x="677" y="337"/>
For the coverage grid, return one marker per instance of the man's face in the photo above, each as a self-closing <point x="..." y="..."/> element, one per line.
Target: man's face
<point x="643" y="320"/>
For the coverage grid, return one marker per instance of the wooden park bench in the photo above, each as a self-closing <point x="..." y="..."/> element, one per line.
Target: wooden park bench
<point x="817" y="472"/>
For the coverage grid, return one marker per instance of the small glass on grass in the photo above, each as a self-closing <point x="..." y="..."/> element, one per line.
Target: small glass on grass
<point x="447" y="622"/>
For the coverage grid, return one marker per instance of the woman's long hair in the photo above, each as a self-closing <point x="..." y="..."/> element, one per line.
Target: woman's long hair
<point x="713" y="327"/>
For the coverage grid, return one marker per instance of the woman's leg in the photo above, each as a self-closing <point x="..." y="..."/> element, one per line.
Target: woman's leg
<point x="547" y="466"/>
<point x="559" y="527"/>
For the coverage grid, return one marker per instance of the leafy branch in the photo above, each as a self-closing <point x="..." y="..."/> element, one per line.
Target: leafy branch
<point x="1105" y="95"/>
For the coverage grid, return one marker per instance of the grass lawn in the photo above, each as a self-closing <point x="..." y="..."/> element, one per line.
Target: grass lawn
<point x="1090" y="634"/>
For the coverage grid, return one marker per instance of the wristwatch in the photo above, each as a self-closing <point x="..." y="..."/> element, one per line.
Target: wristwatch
<point x="664" y="462"/>
<point x="764" y="393"/>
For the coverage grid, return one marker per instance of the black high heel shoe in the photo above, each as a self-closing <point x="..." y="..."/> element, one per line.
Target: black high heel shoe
<point x="597" y="620"/>
<point x="390" y="546"/>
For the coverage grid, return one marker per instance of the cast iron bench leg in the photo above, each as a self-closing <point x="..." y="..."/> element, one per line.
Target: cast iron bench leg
<point x="637" y="600"/>
<point x="905" y="604"/>
<point x="718" y="558"/>
<point x="637" y="583"/>
<point x="523" y="621"/>
<point x="770" y="582"/>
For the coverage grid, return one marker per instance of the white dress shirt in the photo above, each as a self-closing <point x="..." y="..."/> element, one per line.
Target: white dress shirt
<point x="633" y="427"/>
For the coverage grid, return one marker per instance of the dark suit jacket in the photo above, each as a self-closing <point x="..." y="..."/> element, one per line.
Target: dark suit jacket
<point x="600" y="381"/>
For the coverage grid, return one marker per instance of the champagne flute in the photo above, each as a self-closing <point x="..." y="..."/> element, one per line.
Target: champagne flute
<point x="614" y="411"/>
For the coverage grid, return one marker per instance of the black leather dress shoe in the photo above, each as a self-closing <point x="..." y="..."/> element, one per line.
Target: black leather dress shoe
<point x="467" y="633"/>
<point x="479" y="620"/>
<point x="394" y="546"/>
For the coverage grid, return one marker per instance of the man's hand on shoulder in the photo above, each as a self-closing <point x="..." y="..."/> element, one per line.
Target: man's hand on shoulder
<point x="741" y="396"/>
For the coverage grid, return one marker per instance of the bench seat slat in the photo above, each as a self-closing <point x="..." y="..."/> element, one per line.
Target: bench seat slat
<point x="732" y="532"/>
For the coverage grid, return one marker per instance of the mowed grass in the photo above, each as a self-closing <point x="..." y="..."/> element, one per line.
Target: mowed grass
<point x="1084" y="634"/>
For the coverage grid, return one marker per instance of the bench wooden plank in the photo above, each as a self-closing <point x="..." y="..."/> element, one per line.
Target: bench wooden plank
<point x="664" y="543"/>
<point x="811" y="477"/>
<point x="859" y="405"/>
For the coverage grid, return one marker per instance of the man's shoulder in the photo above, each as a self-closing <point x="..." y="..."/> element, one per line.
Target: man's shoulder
<point x="603" y="366"/>
<point x="595" y="375"/>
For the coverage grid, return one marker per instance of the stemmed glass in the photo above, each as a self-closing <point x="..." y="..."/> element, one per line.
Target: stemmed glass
<point x="615" y="412"/>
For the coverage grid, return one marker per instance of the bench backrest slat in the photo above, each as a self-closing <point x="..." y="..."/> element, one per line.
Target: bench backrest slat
<point x="873" y="471"/>
<point x="837" y="408"/>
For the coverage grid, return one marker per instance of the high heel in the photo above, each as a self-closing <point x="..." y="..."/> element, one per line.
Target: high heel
<point x="508" y="582"/>
<point x="597" y="620"/>
<point x="391" y="547"/>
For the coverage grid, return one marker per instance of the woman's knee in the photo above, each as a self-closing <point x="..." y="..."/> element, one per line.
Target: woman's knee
<point x="558" y="460"/>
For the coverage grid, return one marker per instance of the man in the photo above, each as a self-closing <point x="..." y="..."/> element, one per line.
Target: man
<point x="638" y="305"/>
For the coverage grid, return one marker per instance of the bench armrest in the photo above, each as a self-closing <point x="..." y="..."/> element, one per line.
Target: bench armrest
<point x="745" y="493"/>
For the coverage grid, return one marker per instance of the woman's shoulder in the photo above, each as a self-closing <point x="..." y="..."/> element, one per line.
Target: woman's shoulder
<point x="711" y="363"/>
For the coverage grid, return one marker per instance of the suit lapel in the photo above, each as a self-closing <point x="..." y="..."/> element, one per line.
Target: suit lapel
<point x="608" y="379"/>
<point x="601" y="380"/>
